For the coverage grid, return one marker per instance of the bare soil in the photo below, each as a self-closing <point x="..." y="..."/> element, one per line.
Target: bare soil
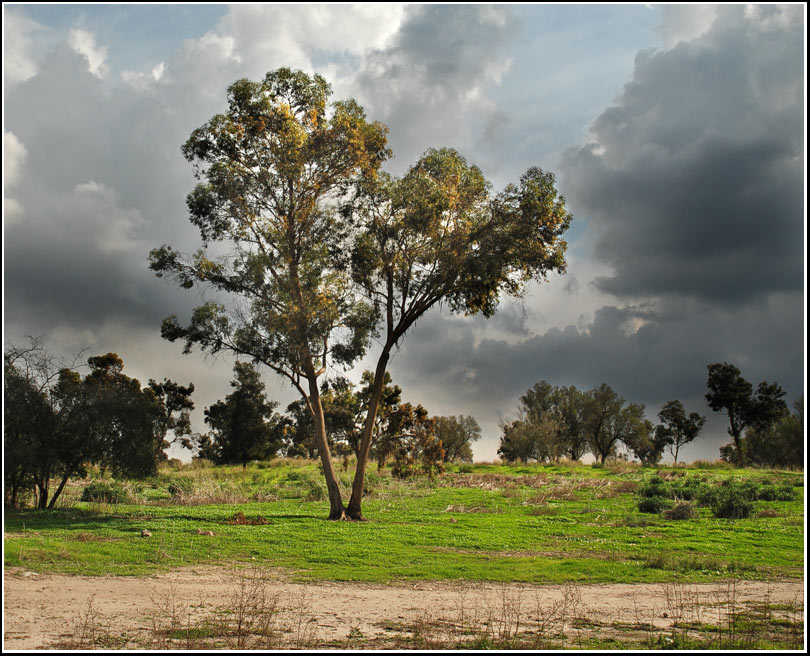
<point x="50" y="611"/>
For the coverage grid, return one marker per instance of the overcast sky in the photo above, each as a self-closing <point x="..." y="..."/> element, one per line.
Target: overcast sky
<point x="676" y="134"/>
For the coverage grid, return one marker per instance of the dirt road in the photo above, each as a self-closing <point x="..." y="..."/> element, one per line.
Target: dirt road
<point x="43" y="611"/>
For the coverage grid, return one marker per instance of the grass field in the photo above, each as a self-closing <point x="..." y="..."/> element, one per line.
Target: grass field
<point x="537" y="524"/>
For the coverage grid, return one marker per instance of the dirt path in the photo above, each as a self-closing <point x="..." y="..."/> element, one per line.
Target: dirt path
<point x="44" y="611"/>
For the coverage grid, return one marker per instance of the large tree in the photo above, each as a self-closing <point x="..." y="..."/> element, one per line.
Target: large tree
<point x="315" y="283"/>
<point x="729" y="392"/>
<point x="272" y="169"/>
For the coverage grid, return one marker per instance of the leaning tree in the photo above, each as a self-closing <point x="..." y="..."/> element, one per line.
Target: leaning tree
<point x="324" y="251"/>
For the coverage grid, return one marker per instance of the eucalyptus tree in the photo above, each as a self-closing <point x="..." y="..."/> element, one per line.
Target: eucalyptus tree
<point x="312" y="284"/>
<point x="439" y="235"/>
<point x="272" y="169"/>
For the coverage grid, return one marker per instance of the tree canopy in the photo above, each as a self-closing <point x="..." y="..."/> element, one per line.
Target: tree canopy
<point x="324" y="251"/>
<point x="729" y="392"/>
<point x="58" y="422"/>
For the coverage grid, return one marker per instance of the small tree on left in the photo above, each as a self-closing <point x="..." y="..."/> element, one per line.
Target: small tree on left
<point x="57" y="422"/>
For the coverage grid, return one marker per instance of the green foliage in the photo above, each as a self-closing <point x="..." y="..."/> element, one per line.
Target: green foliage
<point x="457" y="435"/>
<point x="244" y="426"/>
<point x="539" y="524"/>
<point x="729" y="392"/>
<point x="551" y="423"/>
<point x="783" y="492"/>
<point x="732" y="502"/>
<point x="676" y="429"/>
<point x="681" y="510"/>
<point x="58" y="423"/>
<point x="101" y="492"/>
<point x="655" y="487"/>
<point x="653" y="504"/>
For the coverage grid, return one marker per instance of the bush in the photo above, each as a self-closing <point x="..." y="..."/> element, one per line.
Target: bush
<point x="100" y="492"/>
<point x="693" y="488"/>
<point x="653" y="504"/>
<point x="731" y="502"/>
<point x="682" y="510"/>
<point x="655" y="487"/>
<point x="774" y="493"/>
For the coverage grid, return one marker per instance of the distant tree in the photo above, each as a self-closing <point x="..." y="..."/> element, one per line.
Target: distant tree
<point x="177" y="404"/>
<point x="457" y="435"/>
<point x="609" y="422"/>
<point x="414" y="443"/>
<point x="729" y="392"/>
<point x="571" y="407"/>
<point x="676" y="429"/>
<point x="551" y="424"/>
<point x="647" y="445"/>
<point x="518" y="441"/>
<point x="601" y="404"/>
<point x="244" y="426"/>
<point x="779" y="443"/>
<point x="58" y="423"/>
<point x="29" y="424"/>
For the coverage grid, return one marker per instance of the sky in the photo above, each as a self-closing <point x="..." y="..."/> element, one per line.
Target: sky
<point x="675" y="132"/>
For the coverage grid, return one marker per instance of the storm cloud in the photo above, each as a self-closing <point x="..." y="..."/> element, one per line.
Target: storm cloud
<point x="687" y="190"/>
<point x="692" y="180"/>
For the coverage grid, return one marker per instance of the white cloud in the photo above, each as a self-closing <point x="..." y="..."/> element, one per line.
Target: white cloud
<point x="84" y="43"/>
<point x="685" y="22"/>
<point x="19" y="46"/>
<point x="14" y="154"/>
<point x="142" y="81"/>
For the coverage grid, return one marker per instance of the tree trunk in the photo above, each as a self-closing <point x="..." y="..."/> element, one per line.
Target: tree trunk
<point x="336" y="509"/>
<point x="354" y="510"/>
<point x="59" y="490"/>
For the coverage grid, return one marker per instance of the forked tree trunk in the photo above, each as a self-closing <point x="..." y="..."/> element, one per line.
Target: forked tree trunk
<point x="354" y="510"/>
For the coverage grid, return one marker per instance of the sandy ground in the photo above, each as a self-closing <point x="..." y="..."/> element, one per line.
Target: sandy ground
<point x="44" y="611"/>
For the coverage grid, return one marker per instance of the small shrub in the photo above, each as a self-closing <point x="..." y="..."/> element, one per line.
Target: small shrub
<point x="315" y="491"/>
<point x="100" y="492"/>
<point x="465" y="469"/>
<point x="731" y="502"/>
<point x="681" y="510"/>
<point x="774" y="493"/>
<point x="655" y="487"/>
<point x="653" y="504"/>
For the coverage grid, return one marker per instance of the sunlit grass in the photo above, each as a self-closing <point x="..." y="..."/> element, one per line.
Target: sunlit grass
<point x="493" y="522"/>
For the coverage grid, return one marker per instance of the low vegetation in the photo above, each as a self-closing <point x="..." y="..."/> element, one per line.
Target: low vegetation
<point x="534" y="523"/>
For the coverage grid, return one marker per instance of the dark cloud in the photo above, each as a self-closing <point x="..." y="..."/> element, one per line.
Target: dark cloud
<point x="648" y="355"/>
<point x="693" y="181"/>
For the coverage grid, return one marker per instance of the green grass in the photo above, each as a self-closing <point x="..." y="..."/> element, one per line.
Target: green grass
<point x="540" y="524"/>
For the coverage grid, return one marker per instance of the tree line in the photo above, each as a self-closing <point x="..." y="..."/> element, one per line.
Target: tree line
<point x="561" y="421"/>
<point x="57" y="423"/>
<point x="245" y="426"/>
